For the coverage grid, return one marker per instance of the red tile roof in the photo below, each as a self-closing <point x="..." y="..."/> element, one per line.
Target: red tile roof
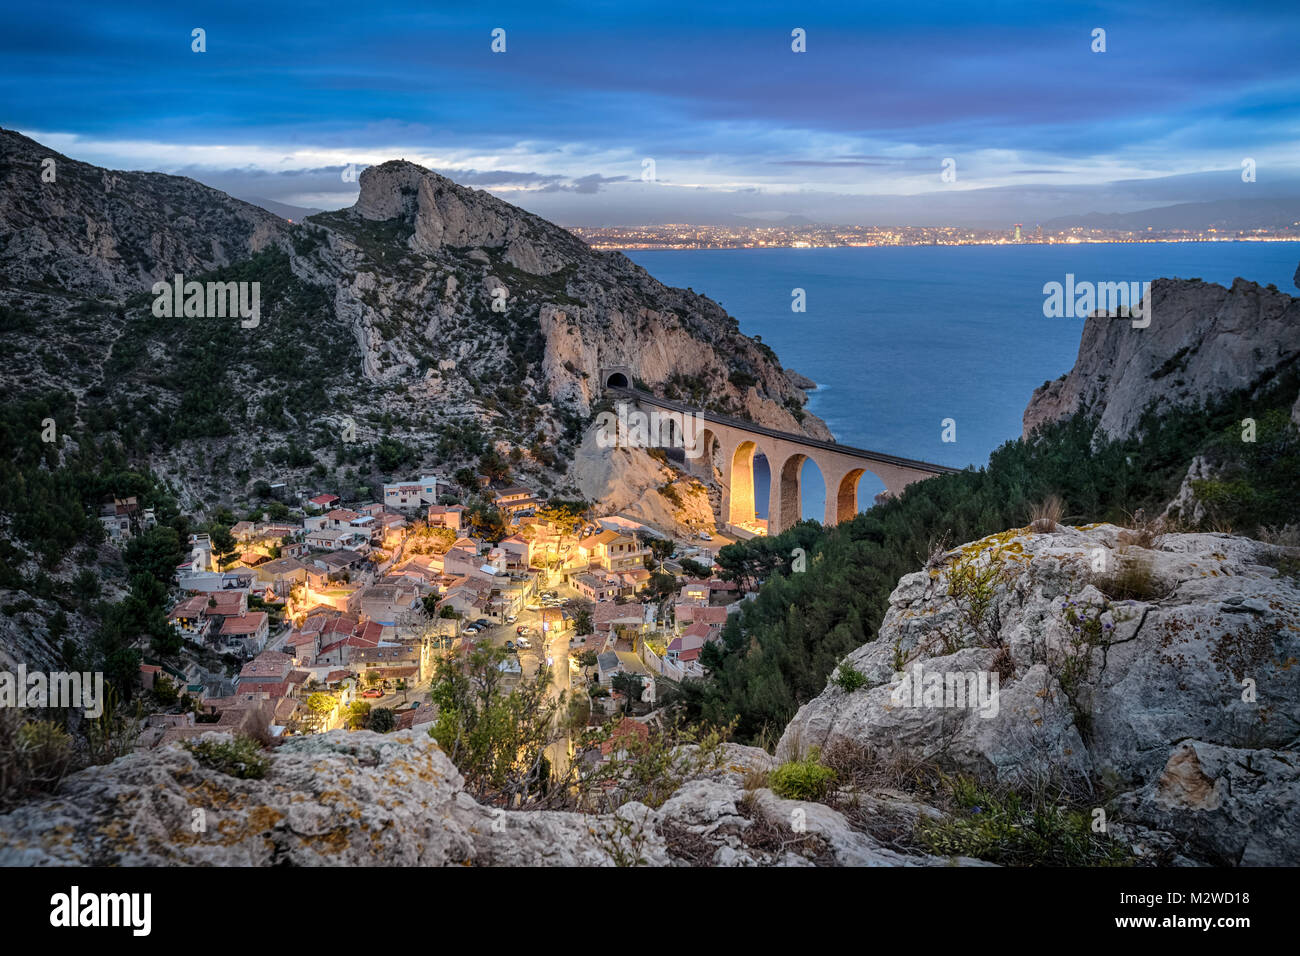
<point x="249" y="623"/>
<point x="627" y="727"/>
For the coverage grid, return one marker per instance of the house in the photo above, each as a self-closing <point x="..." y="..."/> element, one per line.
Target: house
<point x="249" y="631"/>
<point x="267" y="673"/>
<point x="282" y="574"/>
<point x="607" y="665"/>
<point x="302" y="646"/>
<point x="387" y="603"/>
<point x="518" y="551"/>
<point x="294" y="549"/>
<point x="446" y="516"/>
<point x="695" y="614"/>
<point x="685" y="648"/>
<point x="412" y="494"/>
<point x="595" y="587"/>
<point x="336" y="539"/>
<point x="323" y="502"/>
<point x="462" y="559"/>
<point x="340" y="562"/>
<point x="340" y="518"/>
<point x="392" y="661"/>
<point x="516" y="499"/>
<point x="117" y="527"/>
<point x="608" y="617"/>
<point x="702" y="632"/>
<point x="239" y="713"/>
<point x="191" y="619"/>
<point x="122" y="516"/>
<point x="468" y="597"/>
<point x="224" y="604"/>
<point x="611" y="551"/>
<point x="389" y="529"/>
<point x="339" y="653"/>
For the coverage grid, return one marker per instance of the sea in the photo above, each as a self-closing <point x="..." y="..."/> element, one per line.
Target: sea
<point x="932" y="352"/>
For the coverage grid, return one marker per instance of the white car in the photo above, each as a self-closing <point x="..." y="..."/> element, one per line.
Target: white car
<point x="524" y="643"/>
<point x="705" y="536"/>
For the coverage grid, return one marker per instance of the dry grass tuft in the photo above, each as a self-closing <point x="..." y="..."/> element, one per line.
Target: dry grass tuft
<point x="1045" y="516"/>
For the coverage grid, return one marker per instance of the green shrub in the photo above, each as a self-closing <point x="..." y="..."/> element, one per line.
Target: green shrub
<point x="241" y="757"/>
<point x="34" y="756"/>
<point x="802" y="780"/>
<point x="1003" y="827"/>
<point x="848" y="678"/>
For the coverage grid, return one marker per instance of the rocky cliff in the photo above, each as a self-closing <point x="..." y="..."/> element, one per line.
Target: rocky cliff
<point x="425" y="307"/>
<point x="1156" y="676"/>
<point x="69" y="227"/>
<point x="1204" y="342"/>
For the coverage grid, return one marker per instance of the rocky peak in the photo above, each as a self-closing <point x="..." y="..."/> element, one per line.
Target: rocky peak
<point x="444" y="213"/>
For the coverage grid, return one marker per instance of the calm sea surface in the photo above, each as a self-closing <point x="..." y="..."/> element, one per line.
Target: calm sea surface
<point x="899" y="339"/>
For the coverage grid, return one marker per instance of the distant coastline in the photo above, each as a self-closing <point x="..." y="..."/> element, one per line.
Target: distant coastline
<point x="610" y="245"/>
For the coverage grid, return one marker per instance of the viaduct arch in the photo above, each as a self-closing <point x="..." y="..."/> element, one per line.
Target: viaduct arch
<point x="725" y="449"/>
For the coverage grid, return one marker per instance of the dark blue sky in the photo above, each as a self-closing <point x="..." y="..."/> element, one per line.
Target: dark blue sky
<point x="855" y="129"/>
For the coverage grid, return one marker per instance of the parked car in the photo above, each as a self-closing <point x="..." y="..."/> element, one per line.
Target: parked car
<point x="483" y="622"/>
<point x="510" y="645"/>
<point x="705" y="536"/>
<point x="470" y="630"/>
<point x="523" y="629"/>
<point x="525" y="644"/>
<point x="373" y="692"/>
<point x="510" y="619"/>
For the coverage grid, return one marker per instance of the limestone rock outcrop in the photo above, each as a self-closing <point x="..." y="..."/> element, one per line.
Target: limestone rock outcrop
<point x="1183" y="700"/>
<point x="1204" y="342"/>
<point x="367" y="799"/>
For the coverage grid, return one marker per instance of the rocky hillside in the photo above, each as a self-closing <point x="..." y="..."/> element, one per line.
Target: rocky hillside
<point x="69" y="228"/>
<point x="437" y="316"/>
<point x="1153" y="677"/>
<point x="1204" y="342"/>
<point x="366" y="799"/>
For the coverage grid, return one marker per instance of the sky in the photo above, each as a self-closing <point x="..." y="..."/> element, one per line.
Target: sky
<point x="587" y="100"/>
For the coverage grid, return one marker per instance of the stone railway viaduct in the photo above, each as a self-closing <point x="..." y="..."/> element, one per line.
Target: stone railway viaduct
<point x="725" y="452"/>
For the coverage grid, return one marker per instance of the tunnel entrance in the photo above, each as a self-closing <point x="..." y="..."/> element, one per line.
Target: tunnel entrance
<point x="616" y="380"/>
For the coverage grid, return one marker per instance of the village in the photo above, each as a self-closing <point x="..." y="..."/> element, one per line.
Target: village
<point x="335" y="616"/>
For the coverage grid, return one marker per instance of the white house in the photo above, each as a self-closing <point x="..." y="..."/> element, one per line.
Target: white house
<point x="412" y="494"/>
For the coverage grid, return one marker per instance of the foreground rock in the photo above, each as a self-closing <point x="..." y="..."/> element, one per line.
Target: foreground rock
<point x="1185" y="703"/>
<point x="366" y="799"/>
